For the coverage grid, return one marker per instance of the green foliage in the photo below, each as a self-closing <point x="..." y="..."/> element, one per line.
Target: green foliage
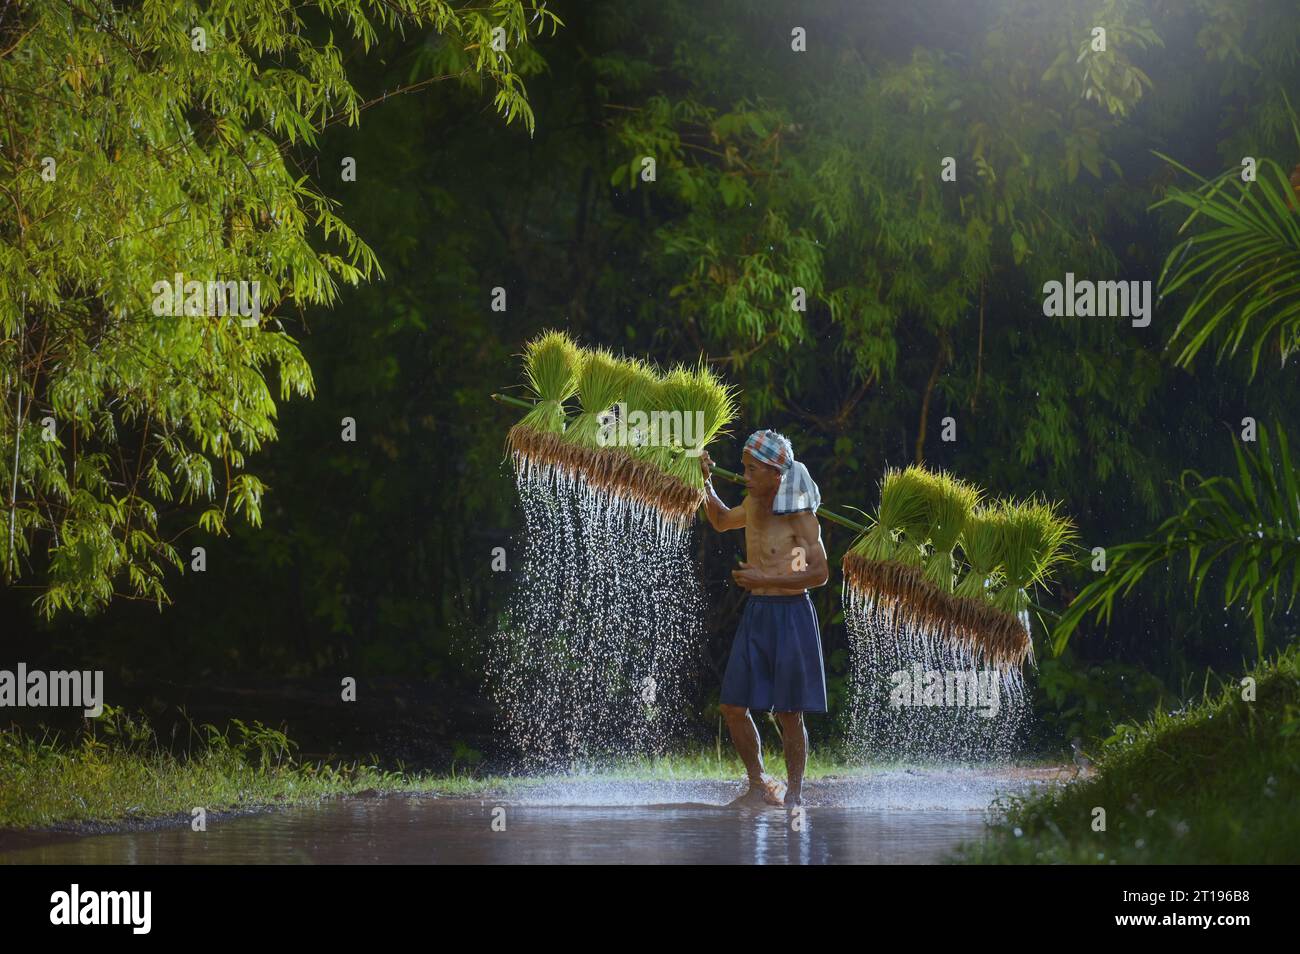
<point x="180" y="138"/>
<point x="1076" y="699"/>
<point x="825" y="177"/>
<point x="1251" y="522"/>
<point x="115" y="769"/>
<point x="1244" y="270"/>
<point x="1109" y="76"/>
<point x="839" y="152"/>
<point x="1207" y="783"/>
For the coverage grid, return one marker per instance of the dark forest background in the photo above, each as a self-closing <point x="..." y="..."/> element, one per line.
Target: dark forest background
<point x="774" y="169"/>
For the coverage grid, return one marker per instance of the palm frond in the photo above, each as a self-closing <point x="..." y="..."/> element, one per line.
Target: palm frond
<point x="1249" y="522"/>
<point x="1245" y="269"/>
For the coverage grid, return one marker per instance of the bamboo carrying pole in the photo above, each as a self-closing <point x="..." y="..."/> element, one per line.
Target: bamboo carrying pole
<point x="720" y="471"/>
<point x="735" y="478"/>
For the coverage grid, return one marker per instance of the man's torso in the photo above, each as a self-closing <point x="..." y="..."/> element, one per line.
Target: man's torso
<point x="770" y="542"/>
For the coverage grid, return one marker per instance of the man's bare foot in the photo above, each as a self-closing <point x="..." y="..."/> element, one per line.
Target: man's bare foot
<point x="793" y="799"/>
<point x="771" y="789"/>
<point x="767" y="791"/>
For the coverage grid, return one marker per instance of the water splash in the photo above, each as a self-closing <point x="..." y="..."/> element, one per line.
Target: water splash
<point x="888" y="656"/>
<point x="596" y="653"/>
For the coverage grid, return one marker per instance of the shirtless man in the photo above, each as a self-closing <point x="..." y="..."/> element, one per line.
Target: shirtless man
<point x="776" y="659"/>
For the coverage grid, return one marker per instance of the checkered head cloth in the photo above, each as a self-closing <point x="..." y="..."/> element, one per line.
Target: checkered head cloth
<point x="797" y="492"/>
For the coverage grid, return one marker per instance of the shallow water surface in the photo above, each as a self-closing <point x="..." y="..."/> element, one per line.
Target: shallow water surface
<point x="896" y="816"/>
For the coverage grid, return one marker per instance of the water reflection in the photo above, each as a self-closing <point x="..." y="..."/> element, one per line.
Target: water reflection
<point x="899" y="816"/>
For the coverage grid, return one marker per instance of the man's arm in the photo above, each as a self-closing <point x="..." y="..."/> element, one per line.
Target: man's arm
<point x="721" y="517"/>
<point x="810" y="551"/>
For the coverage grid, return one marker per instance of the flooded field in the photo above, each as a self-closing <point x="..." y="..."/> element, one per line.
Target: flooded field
<point x="895" y="816"/>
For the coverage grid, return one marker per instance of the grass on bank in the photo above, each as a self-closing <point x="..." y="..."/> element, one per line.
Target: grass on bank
<point x="1213" y="783"/>
<point x="116" y="771"/>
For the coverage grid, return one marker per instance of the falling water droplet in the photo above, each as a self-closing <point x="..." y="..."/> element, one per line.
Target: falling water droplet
<point x="889" y="649"/>
<point x="595" y="656"/>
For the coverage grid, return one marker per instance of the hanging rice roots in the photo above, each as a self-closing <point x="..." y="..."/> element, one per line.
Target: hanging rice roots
<point x="903" y="597"/>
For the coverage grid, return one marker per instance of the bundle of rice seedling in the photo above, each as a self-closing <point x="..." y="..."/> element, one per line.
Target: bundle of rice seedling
<point x="885" y="567"/>
<point x="1035" y="540"/>
<point x="902" y="510"/>
<point x="1053" y="546"/>
<point x="977" y="623"/>
<point x="551" y="362"/>
<point x="949" y="503"/>
<point x="1008" y="547"/>
<point x="643" y="399"/>
<point x="661" y="431"/>
<point x="668" y="419"/>
<point x="902" y="569"/>
<point x="700" y="405"/>
<point x="636" y="435"/>
<point x="638" y="447"/>
<point x="602" y="382"/>
<point x="981" y="547"/>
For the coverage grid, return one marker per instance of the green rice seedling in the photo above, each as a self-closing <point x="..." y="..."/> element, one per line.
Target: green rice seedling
<point x="1053" y="548"/>
<point x="643" y="400"/>
<point x="914" y="532"/>
<point x="949" y="504"/>
<point x="551" y="363"/>
<point x="602" y="383"/>
<point x="641" y="456"/>
<point x="904" y="564"/>
<point x="700" y="405"/>
<point x="903" y="495"/>
<point x="1035" y="538"/>
<point x="981" y="546"/>
<point x="660" y="443"/>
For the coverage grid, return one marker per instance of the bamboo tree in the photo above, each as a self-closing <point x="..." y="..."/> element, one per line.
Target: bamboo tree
<point x="143" y="141"/>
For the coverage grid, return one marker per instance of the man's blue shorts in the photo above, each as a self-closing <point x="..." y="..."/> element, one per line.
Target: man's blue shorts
<point x="776" y="660"/>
